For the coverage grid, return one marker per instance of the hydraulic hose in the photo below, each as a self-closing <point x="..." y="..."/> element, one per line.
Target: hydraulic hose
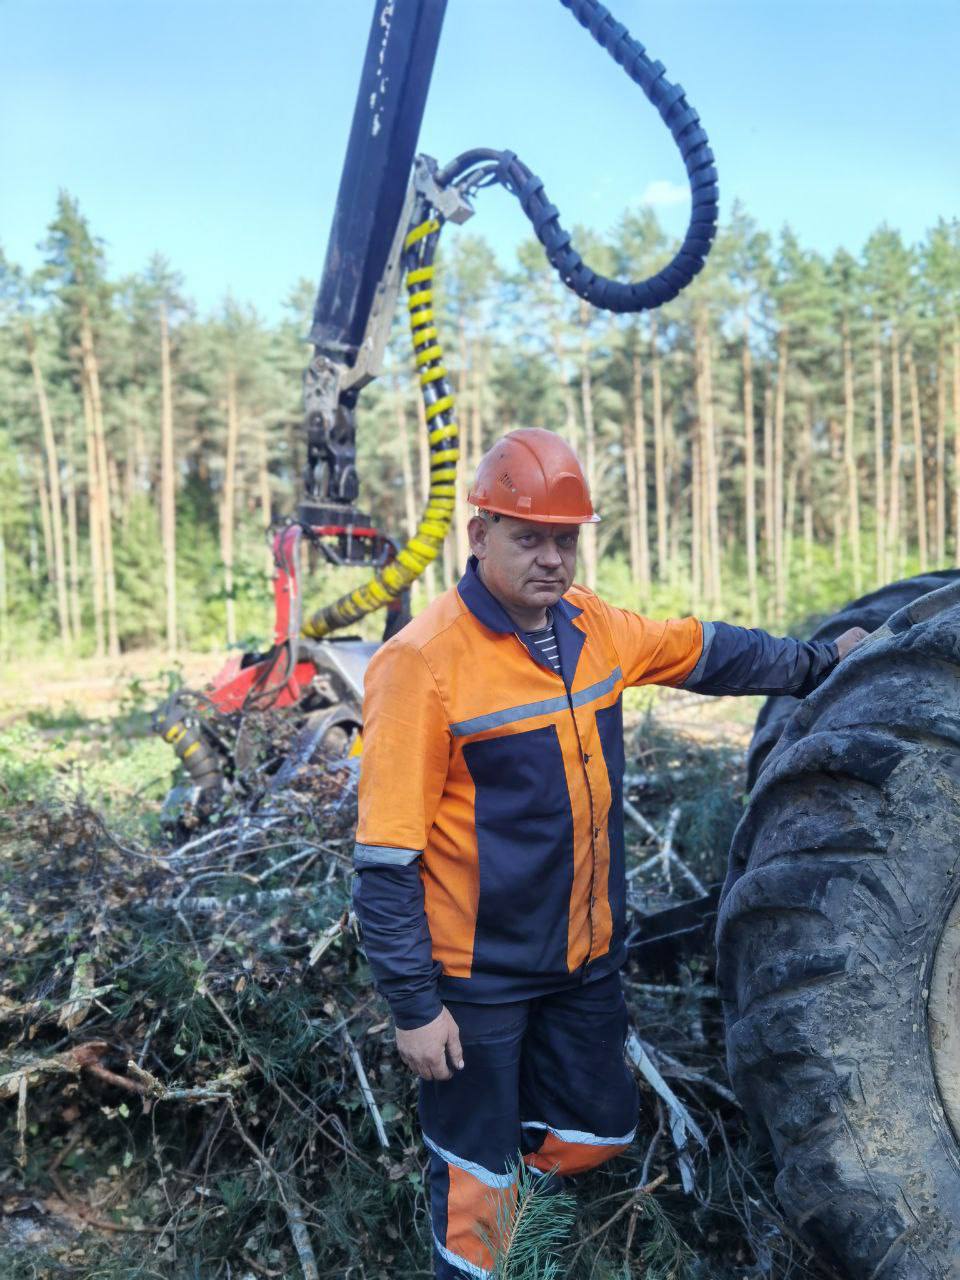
<point x="480" y="167"/>
<point x="684" y="125"/>
<point x="420" y="248"/>
<point x="177" y="725"/>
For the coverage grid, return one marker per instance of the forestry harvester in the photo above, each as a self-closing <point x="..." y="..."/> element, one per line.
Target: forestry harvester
<point x="391" y="207"/>
<point x="838" y="927"/>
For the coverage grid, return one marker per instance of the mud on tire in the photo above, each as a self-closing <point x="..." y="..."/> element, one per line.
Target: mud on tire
<point x="839" y="953"/>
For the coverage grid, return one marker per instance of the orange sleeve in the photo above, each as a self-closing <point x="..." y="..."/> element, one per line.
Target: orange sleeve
<point x="654" y="652"/>
<point x="406" y="750"/>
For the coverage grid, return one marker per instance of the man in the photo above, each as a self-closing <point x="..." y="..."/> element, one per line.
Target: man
<point x="491" y="887"/>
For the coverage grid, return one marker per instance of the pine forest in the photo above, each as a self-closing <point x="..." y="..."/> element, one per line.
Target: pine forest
<point x="782" y="437"/>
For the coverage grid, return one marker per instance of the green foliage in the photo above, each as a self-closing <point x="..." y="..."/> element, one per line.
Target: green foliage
<point x="198" y="991"/>
<point x="139" y="562"/>
<point x="522" y="350"/>
<point x="529" y="1233"/>
<point x="71" y="756"/>
<point x="662" y="1250"/>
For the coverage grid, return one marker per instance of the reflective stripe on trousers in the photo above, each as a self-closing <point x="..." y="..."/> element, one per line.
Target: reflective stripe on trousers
<point x="544" y="1080"/>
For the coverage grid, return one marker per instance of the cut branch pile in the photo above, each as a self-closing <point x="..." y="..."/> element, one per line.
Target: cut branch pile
<point x="196" y="1076"/>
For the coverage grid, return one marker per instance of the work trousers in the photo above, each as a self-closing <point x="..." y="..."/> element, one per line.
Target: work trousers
<point x="544" y="1080"/>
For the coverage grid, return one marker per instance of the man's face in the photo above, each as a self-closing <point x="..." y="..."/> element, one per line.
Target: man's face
<point x="526" y="564"/>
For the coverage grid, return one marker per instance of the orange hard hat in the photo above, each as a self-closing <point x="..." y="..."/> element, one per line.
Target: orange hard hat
<point x="533" y="474"/>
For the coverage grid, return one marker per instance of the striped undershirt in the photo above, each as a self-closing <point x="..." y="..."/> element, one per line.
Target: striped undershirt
<point x="545" y="641"/>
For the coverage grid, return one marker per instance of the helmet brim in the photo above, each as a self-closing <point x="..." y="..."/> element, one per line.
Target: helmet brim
<point x="532" y="519"/>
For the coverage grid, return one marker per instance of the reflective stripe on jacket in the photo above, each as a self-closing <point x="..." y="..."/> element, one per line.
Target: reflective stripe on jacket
<point x="490" y="832"/>
<point x="507" y="779"/>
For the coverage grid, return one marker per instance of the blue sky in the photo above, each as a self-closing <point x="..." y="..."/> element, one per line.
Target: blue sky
<point x="214" y="132"/>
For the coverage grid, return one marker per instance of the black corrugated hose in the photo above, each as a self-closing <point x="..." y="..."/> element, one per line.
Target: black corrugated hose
<point x="684" y="124"/>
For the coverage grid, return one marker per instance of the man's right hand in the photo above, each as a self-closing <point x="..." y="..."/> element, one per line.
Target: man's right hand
<point x="849" y="640"/>
<point x="429" y="1050"/>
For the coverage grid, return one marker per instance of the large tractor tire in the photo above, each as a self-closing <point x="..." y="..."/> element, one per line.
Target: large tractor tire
<point x="869" y="612"/>
<point x="839" y="952"/>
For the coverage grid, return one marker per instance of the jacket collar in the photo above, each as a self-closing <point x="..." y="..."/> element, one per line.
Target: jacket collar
<point x="482" y="604"/>
<point x="486" y="608"/>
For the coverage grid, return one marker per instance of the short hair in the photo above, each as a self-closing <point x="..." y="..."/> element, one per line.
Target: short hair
<point x="484" y="514"/>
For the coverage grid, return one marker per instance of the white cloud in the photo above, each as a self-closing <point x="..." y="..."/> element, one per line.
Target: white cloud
<point x="663" y="192"/>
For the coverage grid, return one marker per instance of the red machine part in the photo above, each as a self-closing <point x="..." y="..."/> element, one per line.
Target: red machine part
<point x="278" y="679"/>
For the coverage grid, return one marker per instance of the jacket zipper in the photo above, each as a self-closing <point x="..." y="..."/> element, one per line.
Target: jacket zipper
<point x="593" y="833"/>
<point x="593" y="825"/>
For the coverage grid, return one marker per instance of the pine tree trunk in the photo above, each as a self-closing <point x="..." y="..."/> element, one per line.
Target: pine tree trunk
<point x="228" y="508"/>
<point x="106" y="511"/>
<point x="919" y="476"/>
<point x="33" y="554"/>
<point x="894" y="540"/>
<point x="698" y="526"/>
<point x="713" y="458"/>
<point x="673" y="469"/>
<point x="769" y="537"/>
<point x="706" y="526"/>
<point x="113" y="484"/>
<point x="56" y="504"/>
<point x="571" y="430"/>
<point x="94" y="521"/>
<point x="790" y="511"/>
<point x="941" y="479"/>
<point x="850" y="460"/>
<point x="73" y="542"/>
<point x="264" y="497"/>
<point x="879" y="461"/>
<point x="589" y="535"/>
<point x="45" y="525"/>
<point x="807" y="538"/>
<point x="808" y="491"/>
<point x="778" y="512"/>
<point x="168" y="484"/>
<point x="749" y="476"/>
<point x="956" y="439"/>
<point x="659" y="455"/>
<point x="711" y="494"/>
<point x="92" y="371"/>
<point x="929" y="458"/>
<point x="640" y="484"/>
<point x="141" y="463"/>
<point x="633" y="530"/>
<point x="839" y="513"/>
<point x="696" y="540"/>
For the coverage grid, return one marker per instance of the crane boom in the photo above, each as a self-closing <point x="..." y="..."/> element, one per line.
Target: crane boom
<point x="394" y="82"/>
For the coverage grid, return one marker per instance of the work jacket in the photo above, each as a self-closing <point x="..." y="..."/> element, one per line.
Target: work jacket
<point x="490" y="836"/>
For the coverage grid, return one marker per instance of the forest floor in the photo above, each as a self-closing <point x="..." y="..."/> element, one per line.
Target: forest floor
<point x="264" y="1126"/>
<point x="56" y="688"/>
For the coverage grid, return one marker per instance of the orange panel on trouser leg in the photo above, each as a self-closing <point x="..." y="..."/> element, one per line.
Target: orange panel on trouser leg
<point x="476" y="1212"/>
<point x="555" y="1155"/>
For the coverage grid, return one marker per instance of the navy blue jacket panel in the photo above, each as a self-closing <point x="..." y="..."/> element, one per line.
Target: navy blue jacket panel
<point x="390" y="901"/>
<point x="742" y="660"/>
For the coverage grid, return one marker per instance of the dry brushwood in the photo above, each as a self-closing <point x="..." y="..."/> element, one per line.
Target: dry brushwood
<point x="191" y="1052"/>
